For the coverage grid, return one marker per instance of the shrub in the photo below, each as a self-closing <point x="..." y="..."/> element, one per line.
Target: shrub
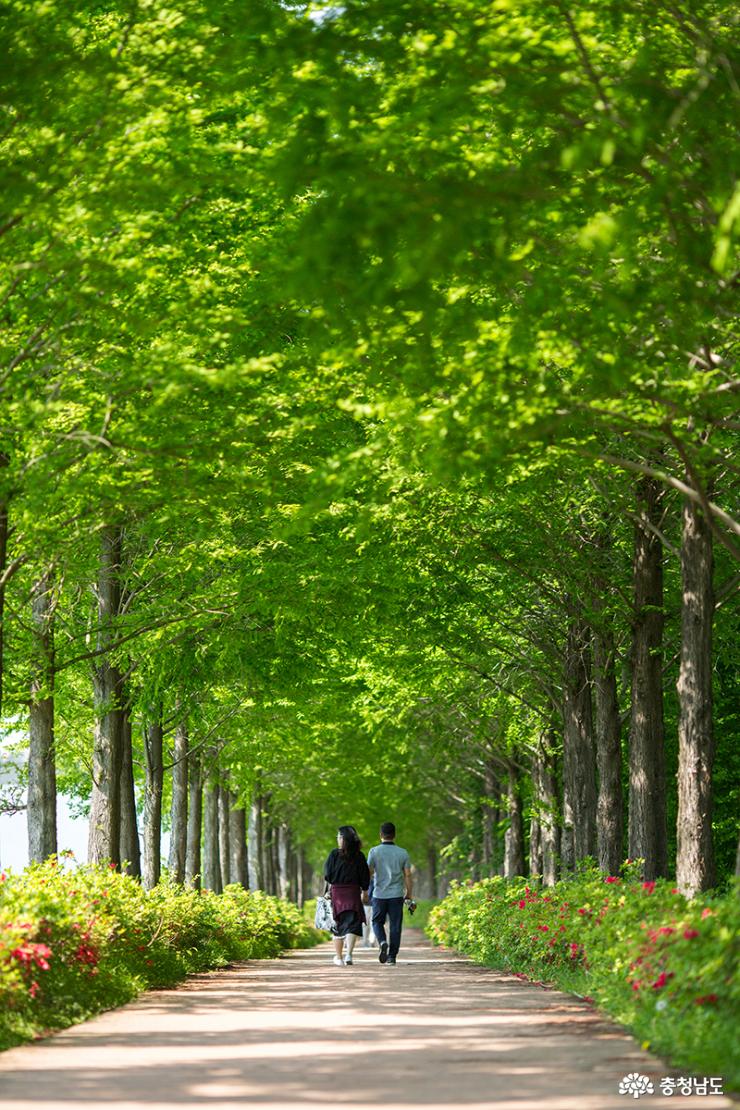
<point x="656" y="962"/>
<point x="74" y="941"/>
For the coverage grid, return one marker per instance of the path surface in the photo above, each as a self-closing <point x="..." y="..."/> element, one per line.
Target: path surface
<point x="299" y="1034"/>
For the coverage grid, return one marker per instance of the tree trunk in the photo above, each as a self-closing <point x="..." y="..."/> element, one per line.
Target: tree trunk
<point x="195" y="821"/>
<point x="153" y="803"/>
<point x="42" y="785"/>
<point x="695" y="851"/>
<point x="491" y="792"/>
<point x="211" y="859"/>
<point x="609" y="810"/>
<point x="179" y="805"/>
<point x="292" y="890"/>
<point x="432" y="865"/>
<point x="105" y="807"/>
<point x="224" y="847"/>
<point x="579" y="762"/>
<point x="647" y="793"/>
<point x="272" y="864"/>
<point x="282" y="850"/>
<point x="300" y="892"/>
<point x="308" y="878"/>
<point x="548" y="808"/>
<point x="514" y="839"/>
<point x="567" y="840"/>
<point x="535" y="829"/>
<point x="237" y="844"/>
<point x="130" y="850"/>
<point x="254" y="839"/>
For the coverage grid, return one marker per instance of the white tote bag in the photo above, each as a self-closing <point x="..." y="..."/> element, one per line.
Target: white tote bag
<point x="324" y="918"/>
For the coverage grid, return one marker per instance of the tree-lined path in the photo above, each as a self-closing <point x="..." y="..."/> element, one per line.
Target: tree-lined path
<point x="435" y="1031"/>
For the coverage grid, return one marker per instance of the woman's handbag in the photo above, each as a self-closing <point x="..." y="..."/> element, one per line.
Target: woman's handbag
<point x="324" y="918"/>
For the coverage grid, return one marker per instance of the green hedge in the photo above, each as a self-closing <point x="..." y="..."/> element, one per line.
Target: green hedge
<point x="665" y="967"/>
<point x="74" y="941"/>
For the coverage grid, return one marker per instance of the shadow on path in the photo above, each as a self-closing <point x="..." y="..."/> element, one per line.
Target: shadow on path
<point x="298" y="1032"/>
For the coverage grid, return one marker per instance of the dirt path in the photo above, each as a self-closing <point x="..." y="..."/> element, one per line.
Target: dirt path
<point x="435" y="1031"/>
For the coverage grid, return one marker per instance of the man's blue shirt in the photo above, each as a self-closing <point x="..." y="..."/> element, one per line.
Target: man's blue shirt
<point x="389" y="862"/>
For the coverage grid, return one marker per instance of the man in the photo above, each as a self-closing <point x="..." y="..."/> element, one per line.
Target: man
<point x="390" y="869"/>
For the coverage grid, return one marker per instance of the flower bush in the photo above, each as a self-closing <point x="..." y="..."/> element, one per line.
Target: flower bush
<point x="662" y="965"/>
<point x="74" y="941"/>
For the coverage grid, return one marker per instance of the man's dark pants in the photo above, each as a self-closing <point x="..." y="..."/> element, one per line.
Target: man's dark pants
<point x="392" y="908"/>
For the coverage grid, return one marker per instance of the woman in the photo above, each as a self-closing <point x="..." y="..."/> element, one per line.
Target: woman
<point x="347" y="873"/>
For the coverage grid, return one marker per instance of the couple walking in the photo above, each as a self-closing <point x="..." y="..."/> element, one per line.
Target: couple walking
<point x="349" y="875"/>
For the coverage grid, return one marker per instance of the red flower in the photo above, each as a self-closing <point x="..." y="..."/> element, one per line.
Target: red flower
<point x="665" y="930"/>
<point x="521" y="904"/>
<point x="706" y="912"/>
<point x="33" y="990"/>
<point x="662" y="980"/>
<point x="706" y="999"/>
<point x="648" y="887"/>
<point x="544" y="928"/>
<point x="689" y="934"/>
<point x="611" y="879"/>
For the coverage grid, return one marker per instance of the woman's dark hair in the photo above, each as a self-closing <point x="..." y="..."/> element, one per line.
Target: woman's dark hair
<point x="351" y="842"/>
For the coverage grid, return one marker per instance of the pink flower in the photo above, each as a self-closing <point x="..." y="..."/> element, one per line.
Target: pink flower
<point x="689" y="934"/>
<point x="665" y="930"/>
<point x="33" y="990"/>
<point x="706" y="912"/>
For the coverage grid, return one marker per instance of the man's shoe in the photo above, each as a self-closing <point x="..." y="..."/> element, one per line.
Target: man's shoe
<point x="348" y="961"/>
<point x="392" y="961"/>
<point x="383" y="953"/>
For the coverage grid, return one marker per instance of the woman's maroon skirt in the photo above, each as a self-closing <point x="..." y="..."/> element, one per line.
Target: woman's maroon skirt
<point x="349" y="912"/>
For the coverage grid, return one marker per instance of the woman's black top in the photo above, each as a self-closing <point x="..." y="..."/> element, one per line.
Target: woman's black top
<point x="339" y="869"/>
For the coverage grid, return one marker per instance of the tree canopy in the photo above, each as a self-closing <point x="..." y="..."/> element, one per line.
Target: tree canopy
<point x="369" y="428"/>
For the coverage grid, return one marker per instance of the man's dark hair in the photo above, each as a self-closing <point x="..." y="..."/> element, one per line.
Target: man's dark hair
<point x="388" y="830"/>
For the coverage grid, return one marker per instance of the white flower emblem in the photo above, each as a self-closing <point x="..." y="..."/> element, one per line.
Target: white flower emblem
<point x="636" y="1085"/>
